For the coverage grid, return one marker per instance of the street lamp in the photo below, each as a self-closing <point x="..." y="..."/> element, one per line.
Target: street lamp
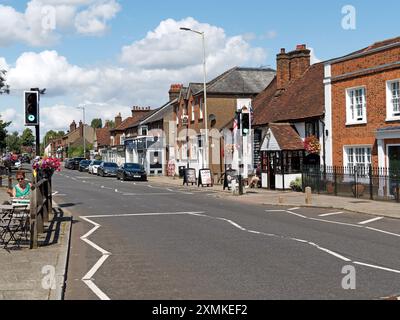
<point x="84" y="121"/>
<point x="205" y="93"/>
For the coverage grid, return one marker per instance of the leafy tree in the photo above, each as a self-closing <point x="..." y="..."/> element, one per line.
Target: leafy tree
<point x="27" y="138"/>
<point x="50" y="135"/>
<point x="97" y="123"/>
<point x="3" y="133"/>
<point x="13" y="142"/>
<point x="4" y="88"/>
<point x="111" y="124"/>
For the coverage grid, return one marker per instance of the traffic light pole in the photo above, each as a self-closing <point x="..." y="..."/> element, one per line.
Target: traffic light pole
<point x="37" y="127"/>
<point x="240" y="155"/>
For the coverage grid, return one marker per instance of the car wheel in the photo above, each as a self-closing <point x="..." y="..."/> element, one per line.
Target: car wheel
<point x="123" y="177"/>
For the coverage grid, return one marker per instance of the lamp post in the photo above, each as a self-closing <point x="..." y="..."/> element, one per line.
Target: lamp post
<point x="205" y="93"/>
<point x="82" y="107"/>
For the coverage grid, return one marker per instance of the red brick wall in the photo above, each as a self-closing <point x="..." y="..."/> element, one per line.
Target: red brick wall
<point x="375" y="84"/>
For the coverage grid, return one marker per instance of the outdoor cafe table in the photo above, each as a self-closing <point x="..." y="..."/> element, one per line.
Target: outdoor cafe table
<point x="14" y="219"/>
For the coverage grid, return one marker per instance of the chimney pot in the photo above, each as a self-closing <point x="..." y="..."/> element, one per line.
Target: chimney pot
<point x="283" y="50"/>
<point x="301" y="47"/>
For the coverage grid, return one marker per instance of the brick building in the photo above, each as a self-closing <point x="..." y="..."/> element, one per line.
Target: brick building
<point x="223" y="94"/>
<point x="286" y="113"/>
<point x="362" y="98"/>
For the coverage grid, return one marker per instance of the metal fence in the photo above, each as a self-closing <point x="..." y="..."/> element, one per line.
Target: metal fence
<point x="359" y="182"/>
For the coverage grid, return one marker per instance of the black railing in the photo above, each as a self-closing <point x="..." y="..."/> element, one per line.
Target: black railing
<point x="362" y="182"/>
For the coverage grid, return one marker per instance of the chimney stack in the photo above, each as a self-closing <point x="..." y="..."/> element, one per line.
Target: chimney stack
<point x="118" y="120"/>
<point x="72" y="126"/>
<point x="291" y="66"/>
<point x="174" y="91"/>
<point x="283" y="69"/>
<point x="140" y="110"/>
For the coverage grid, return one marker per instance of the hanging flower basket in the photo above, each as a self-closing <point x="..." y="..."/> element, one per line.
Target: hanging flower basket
<point x="312" y="145"/>
<point x="47" y="165"/>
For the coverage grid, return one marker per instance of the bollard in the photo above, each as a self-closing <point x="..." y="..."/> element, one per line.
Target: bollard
<point x="308" y="195"/>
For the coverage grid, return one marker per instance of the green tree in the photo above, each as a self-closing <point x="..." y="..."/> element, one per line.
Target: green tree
<point x="97" y="123"/>
<point x="111" y="124"/>
<point x="50" y="135"/>
<point x="27" y="138"/>
<point x="4" y="88"/>
<point x="3" y="133"/>
<point x="13" y="142"/>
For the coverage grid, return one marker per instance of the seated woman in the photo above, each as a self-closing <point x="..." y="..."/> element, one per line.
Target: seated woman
<point x="22" y="189"/>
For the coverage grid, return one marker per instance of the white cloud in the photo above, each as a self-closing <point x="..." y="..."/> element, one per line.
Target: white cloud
<point x="93" y="21"/>
<point x="167" y="47"/>
<point x="165" y="56"/>
<point x="269" y="35"/>
<point x="35" y="25"/>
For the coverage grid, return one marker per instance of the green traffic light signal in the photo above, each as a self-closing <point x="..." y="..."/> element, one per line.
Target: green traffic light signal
<point x="31" y="108"/>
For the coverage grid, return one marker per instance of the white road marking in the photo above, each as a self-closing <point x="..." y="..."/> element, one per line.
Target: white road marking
<point x="170" y="190"/>
<point x="330" y="214"/>
<point x="142" y="215"/>
<point x="107" y="188"/>
<point x="339" y="223"/>
<point x="55" y="193"/>
<point x="293" y="209"/>
<point x="371" y="220"/>
<point x="87" y="279"/>
<point x="376" y="267"/>
<point x="105" y="254"/>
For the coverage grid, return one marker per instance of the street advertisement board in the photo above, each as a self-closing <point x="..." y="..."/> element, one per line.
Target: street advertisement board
<point x="189" y="177"/>
<point x="205" y="178"/>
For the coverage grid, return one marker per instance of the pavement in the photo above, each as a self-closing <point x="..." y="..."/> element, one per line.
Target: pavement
<point x="37" y="274"/>
<point x="389" y="209"/>
<point x="153" y="240"/>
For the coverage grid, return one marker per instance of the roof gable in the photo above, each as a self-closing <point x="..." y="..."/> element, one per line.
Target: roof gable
<point x="303" y="98"/>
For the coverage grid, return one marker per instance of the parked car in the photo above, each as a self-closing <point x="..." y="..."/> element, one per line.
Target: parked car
<point x="107" y="169"/>
<point x="67" y="163"/>
<point x="94" y="165"/>
<point x="25" y="159"/>
<point x="131" y="171"/>
<point x="76" y="162"/>
<point x="84" y="165"/>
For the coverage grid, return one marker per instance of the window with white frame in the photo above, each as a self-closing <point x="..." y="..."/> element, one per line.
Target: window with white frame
<point x="184" y="151"/>
<point x="393" y="99"/>
<point x="356" y="108"/>
<point x="201" y="112"/>
<point x="144" y="131"/>
<point x="193" y="115"/>
<point x="358" y="156"/>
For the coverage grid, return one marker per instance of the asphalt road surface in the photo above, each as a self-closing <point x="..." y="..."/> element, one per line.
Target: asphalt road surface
<point x="137" y="241"/>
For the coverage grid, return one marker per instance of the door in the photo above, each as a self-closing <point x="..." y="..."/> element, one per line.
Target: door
<point x="271" y="170"/>
<point x="394" y="167"/>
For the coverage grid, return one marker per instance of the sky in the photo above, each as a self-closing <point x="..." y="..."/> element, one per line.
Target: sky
<point x="110" y="55"/>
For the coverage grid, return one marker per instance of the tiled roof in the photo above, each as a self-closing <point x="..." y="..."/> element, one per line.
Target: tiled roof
<point x="103" y="136"/>
<point x="240" y="81"/>
<point x="286" y="136"/>
<point x="302" y="99"/>
<point x="160" y="113"/>
<point x="372" y="47"/>
<point x="132" y="121"/>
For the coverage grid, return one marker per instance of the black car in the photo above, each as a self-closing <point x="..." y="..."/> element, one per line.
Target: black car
<point x="132" y="171"/>
<point x="25" y="159"/>
<point x="84" y="165"/>
<point x="76" y="162"/>
<point x="107" y="169"/>
<point x="69" y="163"/>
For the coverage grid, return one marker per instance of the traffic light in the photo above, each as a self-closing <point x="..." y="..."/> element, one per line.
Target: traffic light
<point x="245" y="127"/>
<point x="31" y="108"/>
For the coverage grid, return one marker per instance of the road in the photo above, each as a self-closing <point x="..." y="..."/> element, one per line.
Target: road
<point x="141" y="241"/>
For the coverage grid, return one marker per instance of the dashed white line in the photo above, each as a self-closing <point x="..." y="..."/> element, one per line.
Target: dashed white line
<point x="293" y="209"/>
<point x="371" y="220"/>
<point x="330" y="214"/>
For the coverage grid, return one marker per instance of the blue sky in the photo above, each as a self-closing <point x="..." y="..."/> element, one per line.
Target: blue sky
<point x="111" y="79"/>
